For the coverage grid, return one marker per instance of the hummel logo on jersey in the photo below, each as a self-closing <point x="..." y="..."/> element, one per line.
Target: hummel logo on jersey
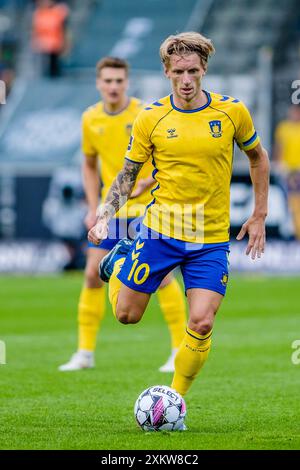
<point x="215" y="128"/>
<point x="171" y="133"/>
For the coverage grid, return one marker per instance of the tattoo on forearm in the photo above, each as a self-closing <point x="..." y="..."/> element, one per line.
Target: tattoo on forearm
<point x="122" y="187"/>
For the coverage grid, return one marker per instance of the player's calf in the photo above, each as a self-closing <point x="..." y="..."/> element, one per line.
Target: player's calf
<point x="91" y="278"/>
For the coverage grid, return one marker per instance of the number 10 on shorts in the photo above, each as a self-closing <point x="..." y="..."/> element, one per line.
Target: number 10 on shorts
<point x="139" y="272"/>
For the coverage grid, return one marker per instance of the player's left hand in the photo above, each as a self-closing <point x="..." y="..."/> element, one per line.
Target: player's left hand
<point x="255" y="227"/>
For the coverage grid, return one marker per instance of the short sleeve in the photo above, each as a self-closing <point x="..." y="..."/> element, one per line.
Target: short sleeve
<point x="86" y="143"/>
<point x="245" y="135"/>
<point x="139" y="147"/>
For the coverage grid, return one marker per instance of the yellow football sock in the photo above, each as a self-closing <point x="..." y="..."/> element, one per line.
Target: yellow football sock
<point x="172" y="304"/>
<point x="115" y="285"/>
<point x="91" y="310"/>
<point x="190" y="358"/>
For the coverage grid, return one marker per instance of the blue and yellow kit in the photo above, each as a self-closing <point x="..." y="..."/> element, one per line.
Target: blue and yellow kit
<point x="192" y="153"/>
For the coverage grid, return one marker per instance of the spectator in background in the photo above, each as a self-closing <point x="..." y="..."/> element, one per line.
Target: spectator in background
<point x="49" y="37"/>
<point x="287" y="156"/>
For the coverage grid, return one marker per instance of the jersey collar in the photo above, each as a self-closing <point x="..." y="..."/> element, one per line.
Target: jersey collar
<point x="118" y="112"/>
<point x="192" y="110"/>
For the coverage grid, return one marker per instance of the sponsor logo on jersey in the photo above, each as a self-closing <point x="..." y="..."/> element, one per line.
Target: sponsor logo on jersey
<point x="171" y="133"/>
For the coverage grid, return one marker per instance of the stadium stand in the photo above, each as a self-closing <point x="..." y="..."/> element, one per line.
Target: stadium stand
<point x="254" y="23"/>
<point x="11" y="14"/>
<point x="129" y="29"/>
<point x="40" y="124"/>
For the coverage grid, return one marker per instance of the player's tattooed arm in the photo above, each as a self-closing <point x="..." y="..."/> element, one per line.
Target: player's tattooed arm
<point x="121" y="189"/>
<point x="117" y="196"/>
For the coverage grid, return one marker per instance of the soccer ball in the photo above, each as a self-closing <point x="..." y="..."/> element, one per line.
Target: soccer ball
<point x="160" y="408"/>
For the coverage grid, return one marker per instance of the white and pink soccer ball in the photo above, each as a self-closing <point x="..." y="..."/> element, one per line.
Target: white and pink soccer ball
<point x="160" y="408"/>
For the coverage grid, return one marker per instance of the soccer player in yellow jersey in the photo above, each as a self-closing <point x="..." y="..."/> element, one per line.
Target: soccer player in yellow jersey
<point x="287" y="155"/>
<point x="190" y="136"/>
<point x="106" y="129"/>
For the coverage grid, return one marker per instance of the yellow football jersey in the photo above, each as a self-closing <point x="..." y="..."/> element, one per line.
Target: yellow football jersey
<point x="192" y="152"/>
<point x="106" y="136"/>
<point x="288" y="136"/>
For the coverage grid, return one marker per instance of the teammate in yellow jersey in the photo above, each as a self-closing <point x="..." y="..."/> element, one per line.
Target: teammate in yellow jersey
<point x="190" y="136"/>
<point x="106" y="130"/>
<point x="287" y="157"/>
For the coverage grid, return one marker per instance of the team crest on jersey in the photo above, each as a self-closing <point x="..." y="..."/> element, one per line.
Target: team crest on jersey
<point x="128" y="128"/>
<point x="171" y="133"/>
<point x="224" y="279"/>
<point x="215" y="128"/>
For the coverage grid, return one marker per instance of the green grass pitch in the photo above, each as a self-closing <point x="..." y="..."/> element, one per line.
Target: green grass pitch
<point x="246" y="397"/>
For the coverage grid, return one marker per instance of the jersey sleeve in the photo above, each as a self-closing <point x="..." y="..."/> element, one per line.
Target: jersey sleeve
<point x="245" y="134"/>
<point x="140" y="146"/>
<point x="87" y="147"/>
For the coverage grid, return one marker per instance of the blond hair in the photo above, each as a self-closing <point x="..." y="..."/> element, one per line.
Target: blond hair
<point x="113" y="62"/>
<point x="186" y="43"/>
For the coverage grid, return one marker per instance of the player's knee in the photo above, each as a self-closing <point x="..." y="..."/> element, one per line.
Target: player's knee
<point x="201" y="321"/>
<point x="127" y="316"/>
<point x="202" y="326"/>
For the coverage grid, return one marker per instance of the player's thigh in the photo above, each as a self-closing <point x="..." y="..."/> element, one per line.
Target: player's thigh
<point x="131" y="304"/>
<point x="94" y="256"/>
<point x="167" y="280"/>
<point x="203" y="306"/>
<point x="205" y="275"/>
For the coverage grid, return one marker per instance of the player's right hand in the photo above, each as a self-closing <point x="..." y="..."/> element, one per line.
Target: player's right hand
<point x="255" y="227"/>
<point x="99" y="232"/>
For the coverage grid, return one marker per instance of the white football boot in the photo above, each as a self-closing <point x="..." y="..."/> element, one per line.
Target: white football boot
<point x="169" y="366"/>
<point x="80" y="360"/>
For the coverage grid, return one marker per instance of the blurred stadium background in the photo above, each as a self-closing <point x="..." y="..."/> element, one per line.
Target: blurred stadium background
<point x="41" y="231"/>
<point x="41" y="198"/>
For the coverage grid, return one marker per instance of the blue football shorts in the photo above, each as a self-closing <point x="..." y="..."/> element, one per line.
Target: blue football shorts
<point x="117" y="229"/>
<point x="152" y="257"/>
